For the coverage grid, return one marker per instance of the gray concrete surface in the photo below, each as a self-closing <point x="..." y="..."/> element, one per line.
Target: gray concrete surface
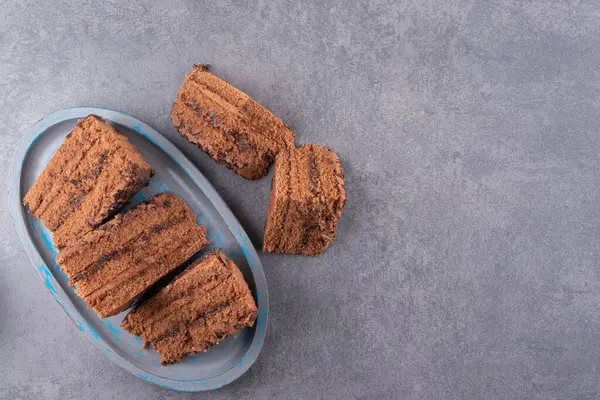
<point x="466" y="261"/>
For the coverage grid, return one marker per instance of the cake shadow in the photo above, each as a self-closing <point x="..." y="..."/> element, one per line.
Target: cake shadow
<point x="347" y="220"/>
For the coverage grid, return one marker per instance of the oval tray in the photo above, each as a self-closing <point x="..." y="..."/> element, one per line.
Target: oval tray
<point x="174" y="173"/>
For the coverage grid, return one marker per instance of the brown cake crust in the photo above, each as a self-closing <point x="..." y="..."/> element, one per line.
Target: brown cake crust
<point x="228" y="125"/>
<point x="206" y="303"/>
<point x="307" y="198"/>
<point x="114" y="264"/>
<point x="93" y="173"/>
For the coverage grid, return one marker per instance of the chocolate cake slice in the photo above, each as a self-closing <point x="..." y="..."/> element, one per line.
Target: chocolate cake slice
<point x="92" y="174"/>
<point x="228" y="125"/>
<point x="206" y="303"/>
<point x="307" y="197"/>
<point x="115" y="263"/>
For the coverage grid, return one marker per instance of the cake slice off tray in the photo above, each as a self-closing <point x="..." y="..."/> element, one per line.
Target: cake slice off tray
<point x="307" y="198"/>
<point x="207" y="302"/>
<point x="114" y="264"/>
<point x="92" y="174"/>
<point x="228" y="125"/>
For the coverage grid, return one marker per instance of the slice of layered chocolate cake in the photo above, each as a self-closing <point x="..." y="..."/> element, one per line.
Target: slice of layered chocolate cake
<point x="206" y="303"/>
<point x="92" y="174"/>
<point x="307" y="197"/>
<point x="228" y="125"/>
<point x="114" y="264"/>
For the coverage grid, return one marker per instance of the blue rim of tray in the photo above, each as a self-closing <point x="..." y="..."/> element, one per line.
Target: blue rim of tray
<point x="19" y="221"/>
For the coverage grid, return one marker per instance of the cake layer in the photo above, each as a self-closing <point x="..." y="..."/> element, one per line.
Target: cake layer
<point x="307" y="198"/>
<point x="92" y="174"/>
<point x="209" y="301"/>
<point x="279" y="201"/>
<point x="228" y="125"/>
<point x="114" y="264"/>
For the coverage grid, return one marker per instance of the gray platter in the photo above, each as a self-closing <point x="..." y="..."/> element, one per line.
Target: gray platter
<point x="174" y="173"/>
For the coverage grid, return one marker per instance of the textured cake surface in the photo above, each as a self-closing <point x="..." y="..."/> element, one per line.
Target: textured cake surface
<point x="307" y="198"/>
<point x="228" y="125"/>
<point x="114" y="264"/>
<point x="93" y="173"/>
<point x="206" y="303"/>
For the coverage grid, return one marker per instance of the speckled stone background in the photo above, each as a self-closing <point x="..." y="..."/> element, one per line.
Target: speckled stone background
<point x="466" y="263"/>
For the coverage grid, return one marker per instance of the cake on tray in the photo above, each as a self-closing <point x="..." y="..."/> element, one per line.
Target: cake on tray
<point x="113" y="265"/>
<point x="92" y="174"/>
<point x="207" y="302"/>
